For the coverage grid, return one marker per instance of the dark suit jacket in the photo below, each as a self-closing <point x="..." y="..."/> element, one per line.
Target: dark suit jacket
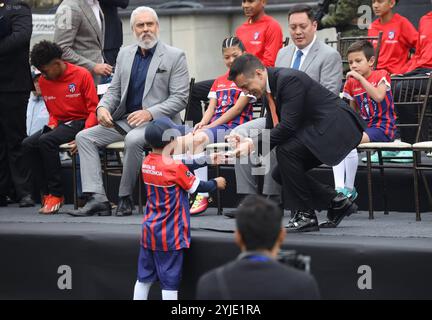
<point x="326" y="125"/>
<point x="15" y="73"/>
<point x="256" y="280"/>
<point x="113" y="24"/>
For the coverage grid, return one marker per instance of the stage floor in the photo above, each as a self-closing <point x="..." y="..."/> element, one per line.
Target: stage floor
<point x="102" y="253"/>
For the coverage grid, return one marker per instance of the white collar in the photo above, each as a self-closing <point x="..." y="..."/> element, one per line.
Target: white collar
<point x="268" y="90"/>
<point x="306" y="50"/>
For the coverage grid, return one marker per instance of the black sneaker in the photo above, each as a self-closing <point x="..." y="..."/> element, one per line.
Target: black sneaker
<point x="303" y="221"/>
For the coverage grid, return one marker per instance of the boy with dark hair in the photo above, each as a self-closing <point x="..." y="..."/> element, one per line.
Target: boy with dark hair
<point x="261" y="34"/>
<point x="399" y="36"/>
<point x="71" y="99"/>
<point x="369" y="92"/>
<point x="256" y="274"/>
<point x="165" y="229"/>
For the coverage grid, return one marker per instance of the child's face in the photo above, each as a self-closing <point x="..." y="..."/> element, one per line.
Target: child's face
<point x="359" y="63"/>
<point x="382" y="7"/>
<point x="229" y="55"/>
<point x="251" y="8"/>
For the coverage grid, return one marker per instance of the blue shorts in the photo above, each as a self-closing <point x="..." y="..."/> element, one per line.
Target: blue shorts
<point x="165" y="266"/>
<point x="217" y="134"/>
<point x="377" y="135"/>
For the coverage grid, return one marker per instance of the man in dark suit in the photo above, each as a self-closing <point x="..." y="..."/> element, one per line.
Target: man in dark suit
<point x="113" y="28"/>
<point x="255" y="274"/>
<point x="15" y="86"/>
<point x="309" y="126"/>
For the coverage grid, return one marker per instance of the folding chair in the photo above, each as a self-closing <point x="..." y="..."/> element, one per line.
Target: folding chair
<point x="405" y="96"/>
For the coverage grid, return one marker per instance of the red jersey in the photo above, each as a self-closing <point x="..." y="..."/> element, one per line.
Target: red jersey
<point x="262" y="38"/>
<point x="166" y="224"/>
<point x="399" y="36"/>
<point x="376" y="114"/>
<point x="227" y="93"/>
<point x="423" y="54"/>
<point x="71" y="97"/>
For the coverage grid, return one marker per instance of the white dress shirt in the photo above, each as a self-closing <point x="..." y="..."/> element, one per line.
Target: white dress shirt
<point x="305" y="52"/>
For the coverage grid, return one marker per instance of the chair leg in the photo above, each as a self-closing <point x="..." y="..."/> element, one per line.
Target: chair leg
<point x="416" y="191"/>
<point x="383" y="183"/>
<point x="105" y="170"/>
<point x="218" y="195"/>
<point x="369" y="180"/>
<point x="140" y="200"/>
<point x="74" y="182"/>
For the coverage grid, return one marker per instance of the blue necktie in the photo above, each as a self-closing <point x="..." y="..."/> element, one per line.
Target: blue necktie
<point x="297" y="60"/>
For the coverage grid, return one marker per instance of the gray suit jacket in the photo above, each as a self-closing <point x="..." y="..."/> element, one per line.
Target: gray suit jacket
<point x="166" y="88"/>
<point x="322" y="63"/>
<point x="78" y="33"/>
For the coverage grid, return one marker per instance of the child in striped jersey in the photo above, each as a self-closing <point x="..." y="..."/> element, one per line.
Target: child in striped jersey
<point x="369" y="92"/>
<point x="165" y="228"/>
<point x="228" y="108"/>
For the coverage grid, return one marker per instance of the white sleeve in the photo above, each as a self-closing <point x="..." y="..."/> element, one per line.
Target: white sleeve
<point x="194" y="185"/>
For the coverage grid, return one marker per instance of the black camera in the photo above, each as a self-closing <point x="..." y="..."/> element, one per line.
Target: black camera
<point x="293" y="259"/>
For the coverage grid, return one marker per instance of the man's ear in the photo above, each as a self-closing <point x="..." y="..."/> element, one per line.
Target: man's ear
<point x="238" y="239"/>
<point x="281" y="236"/>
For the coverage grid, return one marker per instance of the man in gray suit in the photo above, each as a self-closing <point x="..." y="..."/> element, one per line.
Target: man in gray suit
<point x="79" y="31"/>
<point x="151" y="80"/>
<point x="320" y="61"/>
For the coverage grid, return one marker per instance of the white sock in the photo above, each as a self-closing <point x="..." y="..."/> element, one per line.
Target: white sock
<point x="202" y="174"/>
<point x="169" y="295"/>
<point x="339" y="175"/>
<point x="351" y="165"/>
<point x="141" y="290"/>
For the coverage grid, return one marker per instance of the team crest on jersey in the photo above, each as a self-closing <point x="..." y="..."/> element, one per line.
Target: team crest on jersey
<point x="391" y="35"/>
<point x="72" y="87"/>
<point x="256" y="35"/>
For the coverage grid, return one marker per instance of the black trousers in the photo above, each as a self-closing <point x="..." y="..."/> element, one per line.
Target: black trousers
<point x="199" y="93"/>
<point x="300" y="191"/>
<point x="42" y="153"/>
<point x="409" y="115"/>
<point x="13" y="170"/>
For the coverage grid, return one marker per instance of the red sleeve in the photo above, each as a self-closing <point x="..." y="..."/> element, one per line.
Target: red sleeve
<point x="409" y="34"/>
<point x="184" y="178"/>
<point x="91" y="99"/>
<point x="52" y="121"/>
<point x="347" y="89"/>
<point x="273" y="43"/>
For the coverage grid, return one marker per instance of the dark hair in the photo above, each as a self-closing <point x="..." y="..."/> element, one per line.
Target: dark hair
<point x="233" y="42"/>
<point x="45" y="52"/>
<point x="302" y="8"/>
<point x="245" y="64"/>
<point x="259" y="222"/>
<point x="362" y="45"/>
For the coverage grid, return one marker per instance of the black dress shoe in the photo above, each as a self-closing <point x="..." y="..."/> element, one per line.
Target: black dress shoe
<point x="125" y="207"/>
<point x="26" y="201"/>
<point x="91" y="208"/>
<point x="341" y="207"/>
<point x="303" y="221"/>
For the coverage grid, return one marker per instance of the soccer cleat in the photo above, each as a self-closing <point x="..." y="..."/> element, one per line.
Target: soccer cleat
<point x="44" y="200"/>
<point x="200" y="205"/>
<point x="351" y="194"/>
<point x="52" y="205"/>
<point x="403" y="154"/>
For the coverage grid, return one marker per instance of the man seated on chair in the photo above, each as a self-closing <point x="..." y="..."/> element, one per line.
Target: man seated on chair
<point x="305" y="53"/>
<point x="71" y="99"/>
<point x="151" y="80"/>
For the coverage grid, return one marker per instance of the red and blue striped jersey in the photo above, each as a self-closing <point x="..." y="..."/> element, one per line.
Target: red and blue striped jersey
<point x="166" y="224"/>
<point x="227" y="93"/>
<point x="380" y="115"/>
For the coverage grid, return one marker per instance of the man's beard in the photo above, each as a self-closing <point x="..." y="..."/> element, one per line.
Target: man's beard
<point x="147" y="43"/>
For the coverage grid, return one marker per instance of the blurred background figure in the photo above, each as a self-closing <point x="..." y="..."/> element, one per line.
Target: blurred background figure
<point x="342" y="15"/>
<point x="15" y="86"/>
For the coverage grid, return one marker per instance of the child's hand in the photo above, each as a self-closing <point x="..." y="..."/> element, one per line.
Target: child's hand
<point x="354" y="74"/>
<point x="198" y="126"/>
<point x="221" y="183"/>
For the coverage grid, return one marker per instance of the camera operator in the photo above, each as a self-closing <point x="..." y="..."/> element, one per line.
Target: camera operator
<point x="256" y="274"/>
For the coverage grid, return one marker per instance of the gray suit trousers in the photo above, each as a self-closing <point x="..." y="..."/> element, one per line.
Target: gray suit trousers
<point x="90" y="140"/>
<point x="245" y="170"/>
